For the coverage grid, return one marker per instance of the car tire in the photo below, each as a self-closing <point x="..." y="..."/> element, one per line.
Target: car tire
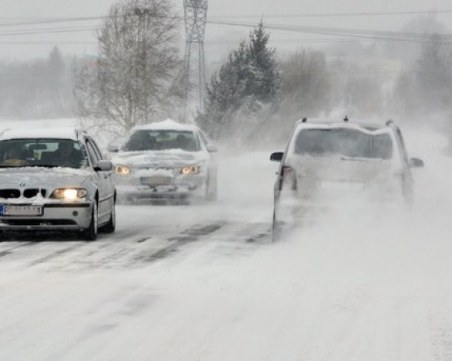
<point x="90" y="233"/>
<point x="110" y="227"/>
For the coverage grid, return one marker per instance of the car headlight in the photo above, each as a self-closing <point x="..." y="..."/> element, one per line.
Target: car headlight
<point x="122" y="170"/>
<point x="190" y="170"/>
<point x="69" y="194"/>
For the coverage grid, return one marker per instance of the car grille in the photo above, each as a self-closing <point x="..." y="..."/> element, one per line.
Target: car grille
<point x="155" y="180"/>
<point x="156" y="168"/>
<point x="10" y="193"/>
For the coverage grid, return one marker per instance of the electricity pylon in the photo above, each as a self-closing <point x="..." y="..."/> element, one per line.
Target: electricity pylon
<point x="195" y="12"/>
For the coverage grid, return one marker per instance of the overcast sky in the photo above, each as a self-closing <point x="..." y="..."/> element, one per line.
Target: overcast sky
<point x="219" y="39"/>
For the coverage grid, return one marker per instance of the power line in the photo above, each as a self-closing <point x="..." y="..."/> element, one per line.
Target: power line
<point x="51" y="21"/>
<point x="338" y="14"/>
<point x="56" y="42"/>
<point x="330" y="31"/>
<point x="49" y="31"/>
<point x="44" y="21"/>
<point x="352" y="33"/>
<point x="21" y="21"/>
<point x="36" y="20"/>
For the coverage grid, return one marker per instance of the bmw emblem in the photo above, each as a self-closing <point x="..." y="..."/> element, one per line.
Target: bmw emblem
<point x="22" y="184"/>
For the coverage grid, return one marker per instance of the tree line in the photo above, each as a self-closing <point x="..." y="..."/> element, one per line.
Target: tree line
<point x="137" y="77"/>
<point x="37" y="89"/>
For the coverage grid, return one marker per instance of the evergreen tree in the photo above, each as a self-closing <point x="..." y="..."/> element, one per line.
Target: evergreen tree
<point x="265" y="81"/>
<point x="247" y="80"/>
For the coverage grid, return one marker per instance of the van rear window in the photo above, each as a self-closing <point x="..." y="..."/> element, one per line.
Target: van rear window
<point x="345" y="142"/>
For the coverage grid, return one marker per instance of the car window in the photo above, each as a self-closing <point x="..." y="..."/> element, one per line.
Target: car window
<point x="144" y="139"/>
<point x="346" y="142"/>
<point x="41" y="152"/>
<point x="95" y="148"/>
<point x="93" y="154"/>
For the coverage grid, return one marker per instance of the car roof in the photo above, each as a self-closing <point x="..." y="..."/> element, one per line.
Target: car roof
<point x="359" y="125"/>
<point x="47" y="133"/>
<point x="167" y="124"/>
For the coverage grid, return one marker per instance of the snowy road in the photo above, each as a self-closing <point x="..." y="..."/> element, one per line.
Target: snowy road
<point x="204" y="282"/>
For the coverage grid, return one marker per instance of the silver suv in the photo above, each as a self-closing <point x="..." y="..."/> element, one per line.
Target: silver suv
<point x="55" y="179"/>
<point x="328" y="160"/>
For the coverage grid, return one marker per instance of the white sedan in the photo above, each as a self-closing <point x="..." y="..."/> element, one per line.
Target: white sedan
<point x="165" y="161"/>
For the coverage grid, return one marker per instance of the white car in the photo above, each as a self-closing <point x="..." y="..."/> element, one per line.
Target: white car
<point x="328" y="162"/>
<point x="55" y="179"/>
<point x="164" y="161"/>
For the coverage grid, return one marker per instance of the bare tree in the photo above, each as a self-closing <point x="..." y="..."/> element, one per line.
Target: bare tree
<point x="135" y="78"/>
<point x="307" y="84"/>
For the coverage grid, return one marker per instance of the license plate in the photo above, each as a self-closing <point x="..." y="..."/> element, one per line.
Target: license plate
<point x="156" y="181"/>
<point x="20" y="210"/>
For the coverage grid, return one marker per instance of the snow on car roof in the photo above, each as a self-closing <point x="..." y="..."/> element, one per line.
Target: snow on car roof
<point x="167" y="124"/>
<point x="52" y="133"/>
<point x="362" y="126"/>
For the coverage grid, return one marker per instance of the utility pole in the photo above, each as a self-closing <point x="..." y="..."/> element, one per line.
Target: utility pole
<point x="195" y="12"/>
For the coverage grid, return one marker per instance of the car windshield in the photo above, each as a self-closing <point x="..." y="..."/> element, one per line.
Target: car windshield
<point x="162" y="140"/>
<point x="345" y="142"/>
<point x="41" y="153"/>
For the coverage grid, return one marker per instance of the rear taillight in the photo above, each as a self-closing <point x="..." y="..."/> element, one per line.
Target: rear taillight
<point x="287" y="178"/>
<point x="286" y="171"/>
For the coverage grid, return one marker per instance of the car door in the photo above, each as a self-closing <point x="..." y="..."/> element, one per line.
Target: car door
<point x="104" y="182"/>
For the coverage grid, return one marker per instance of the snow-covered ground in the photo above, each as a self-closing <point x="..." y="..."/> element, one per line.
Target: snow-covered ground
<point x="204" y="282"/>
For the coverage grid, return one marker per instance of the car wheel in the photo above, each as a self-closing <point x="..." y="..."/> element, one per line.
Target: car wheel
<point x="111" y="225"/>
<point x="90" y="233"/>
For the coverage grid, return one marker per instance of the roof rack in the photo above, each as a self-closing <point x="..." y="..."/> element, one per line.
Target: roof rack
<point x="302" y="120"/>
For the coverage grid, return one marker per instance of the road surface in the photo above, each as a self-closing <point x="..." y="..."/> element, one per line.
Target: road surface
<point x="204" y="282"/>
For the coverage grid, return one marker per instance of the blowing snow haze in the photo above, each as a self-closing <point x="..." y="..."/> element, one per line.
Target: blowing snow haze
<point x="386" y="15"/>
<point x="346" y="46"/>
<point x="185" y="266"/>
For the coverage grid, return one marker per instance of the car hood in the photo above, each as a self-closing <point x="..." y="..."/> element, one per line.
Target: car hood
<point x="32" y="177"/>
<point x="159" y="159"/>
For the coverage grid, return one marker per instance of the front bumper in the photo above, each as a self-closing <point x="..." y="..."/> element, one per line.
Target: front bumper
<point x="176" y="189"/>
<point x="55" y="216"/>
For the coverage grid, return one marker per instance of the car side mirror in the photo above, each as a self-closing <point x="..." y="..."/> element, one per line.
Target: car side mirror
<point x="113" y="148"/>
<point x="211" y="148"/>
<point x="416" y="163"/>
<point x="103" y="166"/>
<point x="277" y="156"/>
